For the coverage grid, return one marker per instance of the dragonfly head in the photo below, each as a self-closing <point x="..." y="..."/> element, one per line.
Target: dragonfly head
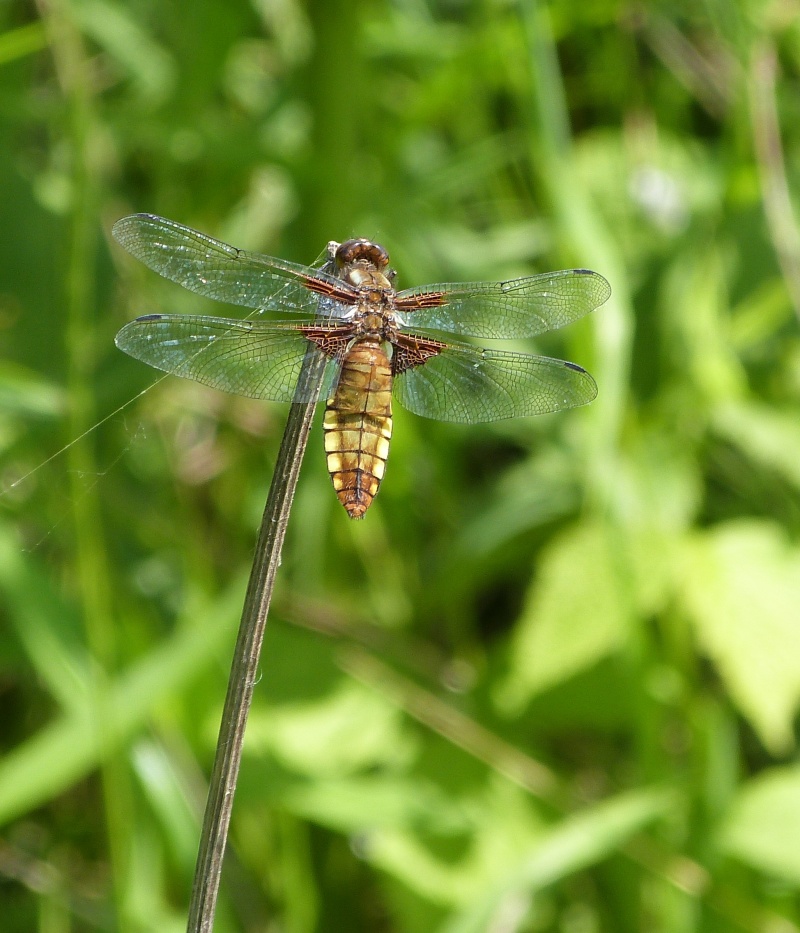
<point x="361" y="251"/>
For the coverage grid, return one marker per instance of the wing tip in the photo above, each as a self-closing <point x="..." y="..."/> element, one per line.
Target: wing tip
<point x="120" y="340"/>
<point x="587" y="385"/>
<point x="125" y="226"/>
<point x="604" y="292"/>
<point x="120" y="228"/>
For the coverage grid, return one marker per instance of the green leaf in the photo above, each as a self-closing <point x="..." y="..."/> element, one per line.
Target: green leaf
<point x="46" y="626"/>
<point x="576" y="614"/>
<point x="67" y="749"/>
<point x="348" y="729"/>
<point x="23" y="393"/>
<point x="574" y="844"/>
<point x="770" y="438"/>
<point x="161" y="783"/>
<point x="367" y="803"/>
<point x="149" y="64"/>
<point x="763" y="827"/>
<point x="484" y="834"/>
<point x="22" y="41"/>
<point x="741" y="588"/>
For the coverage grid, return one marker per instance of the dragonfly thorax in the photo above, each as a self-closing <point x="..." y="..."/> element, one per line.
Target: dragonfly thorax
<point x="375" y="321"/>
<point x="374" y="284"/>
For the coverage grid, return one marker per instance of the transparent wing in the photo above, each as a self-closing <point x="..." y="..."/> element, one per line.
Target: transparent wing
<point x="517" y="308"/>
<point x="467" y="385"/>
<point x="251" y="358"/>
<point x="224" y="273"/>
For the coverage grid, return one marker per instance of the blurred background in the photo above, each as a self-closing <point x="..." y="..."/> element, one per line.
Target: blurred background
<point x="550" y="682"/>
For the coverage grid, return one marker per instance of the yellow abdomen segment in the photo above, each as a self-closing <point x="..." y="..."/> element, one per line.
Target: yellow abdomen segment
<point x="358" y="426"/>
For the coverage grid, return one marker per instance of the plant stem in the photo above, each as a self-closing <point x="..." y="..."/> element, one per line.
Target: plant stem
<point x="775" y="188"/>
<point x="248" y="648"/>
<point x="74" y="73"/>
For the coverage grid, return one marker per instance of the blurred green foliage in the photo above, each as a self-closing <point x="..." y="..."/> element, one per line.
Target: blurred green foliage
<point x="550" y="683"/>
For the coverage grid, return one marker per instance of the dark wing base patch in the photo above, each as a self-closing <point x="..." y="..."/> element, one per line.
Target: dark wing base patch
<point x="409" y="351"/>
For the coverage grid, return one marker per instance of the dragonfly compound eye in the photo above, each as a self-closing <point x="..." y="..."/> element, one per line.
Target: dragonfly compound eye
<point x="365" y="250"/>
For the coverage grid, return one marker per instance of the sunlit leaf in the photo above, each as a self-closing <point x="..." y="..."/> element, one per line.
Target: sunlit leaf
<point x="577" y="613"/>
<point x="74" y="744"/>
<point x="348" y="729"/>
<point x="768" y="437"/>
<point x="763" y="826"/>
<point x="490" y="831"/>
<point x="741" y="588"/>
<point x="574" y="844"/>
<point x="364" y="804"/>
<point x="115" y="30"/>
<point x="23" y="393"/>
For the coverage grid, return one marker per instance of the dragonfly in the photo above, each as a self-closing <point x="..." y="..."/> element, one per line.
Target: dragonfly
<point x="377" y="343"/>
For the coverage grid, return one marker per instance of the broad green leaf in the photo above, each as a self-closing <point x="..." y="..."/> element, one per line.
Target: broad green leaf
<point x="24" y="393"/>
<point x="741" y="588"/>
<point x="113" y="28"/>
<point x="576" y="613"/>
<point x="72" y="745"/>
<point x="148" y="905"/>
<point x="657" y="493"/>
<point x="761" y="314"/>
<point x="539" y="490"/>
<point x="167" y="796"/>
<point x="348" y="729"/>
<point x="486" y="833"/>
<point x="770" y="438"/>
<point x="574" y="844"/>
<point x="22" y="41"/>
<point x="367" y="803"/>
<point x="658" y="486"/>
<point x="763" y="827"/>
<point x="695" y="323"/>
<point x="46" y="627"/>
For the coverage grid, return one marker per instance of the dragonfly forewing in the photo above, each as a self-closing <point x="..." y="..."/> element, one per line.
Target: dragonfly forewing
<point x="502" y="310"/>
<point x="216" y="270"/>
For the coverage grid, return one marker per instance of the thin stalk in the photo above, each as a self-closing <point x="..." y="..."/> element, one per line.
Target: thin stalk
<point x="244" y="668"/>
<point x="74" y="76"/>
<point x="585" y="234"/>
<point x="775" y="189"/>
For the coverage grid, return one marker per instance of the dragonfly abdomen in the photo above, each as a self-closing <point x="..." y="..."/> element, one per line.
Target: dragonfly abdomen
<point x="358" y="426"/>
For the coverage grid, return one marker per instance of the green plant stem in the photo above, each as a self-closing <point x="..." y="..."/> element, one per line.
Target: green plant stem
<point x="775" y="188"/>
<point x="244" y="668"/>
<point x="73" y="73"/>
<point x="586" y="235"/>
